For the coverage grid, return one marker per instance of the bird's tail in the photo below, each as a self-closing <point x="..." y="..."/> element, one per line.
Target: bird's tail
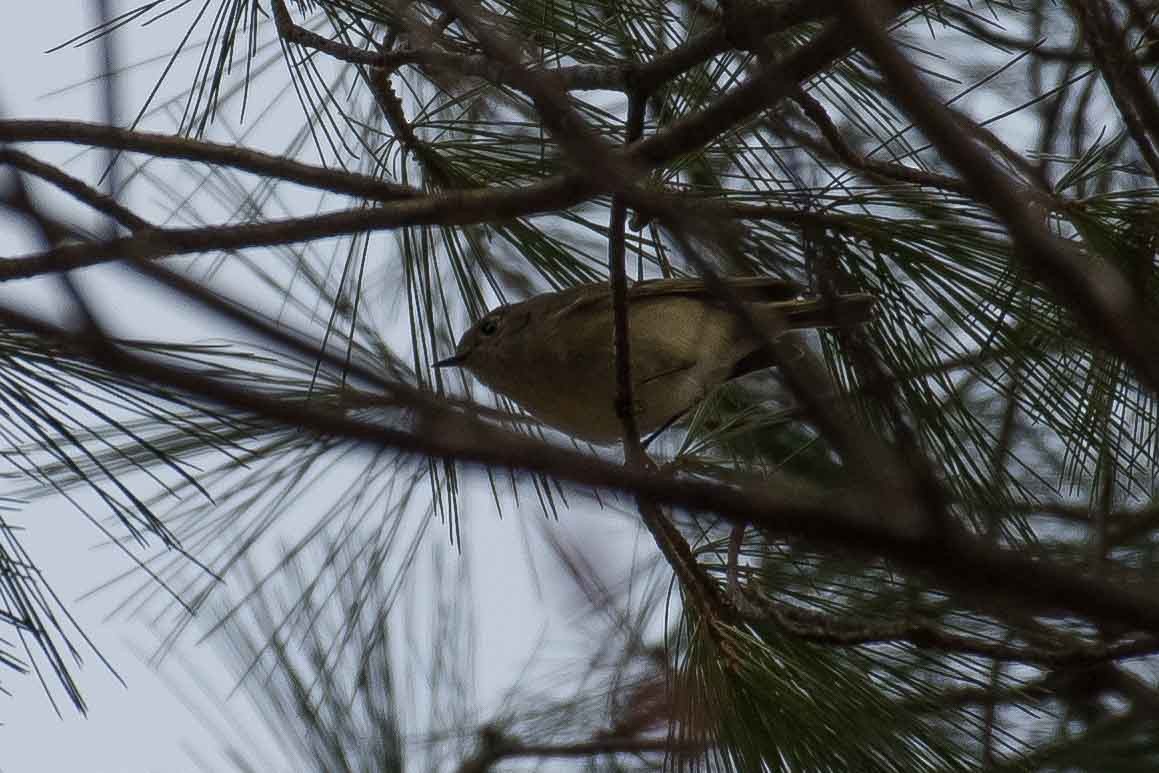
<point x="842" y="311"/>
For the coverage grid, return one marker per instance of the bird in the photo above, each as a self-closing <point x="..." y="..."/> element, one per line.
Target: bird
<point x="553" y="353"/>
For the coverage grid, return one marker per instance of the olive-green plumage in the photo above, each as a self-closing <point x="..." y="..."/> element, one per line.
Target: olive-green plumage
<point x="553" y="354"/>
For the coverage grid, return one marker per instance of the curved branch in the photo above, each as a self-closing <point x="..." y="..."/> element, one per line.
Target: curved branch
<point x="200" y="151"/>
<point x="452" y="208"/>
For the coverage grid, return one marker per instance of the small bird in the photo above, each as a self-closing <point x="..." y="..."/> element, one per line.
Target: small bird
<point x="553" y="353"/>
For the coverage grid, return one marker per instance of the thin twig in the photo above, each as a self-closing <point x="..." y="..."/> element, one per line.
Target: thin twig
<point x="232" y="156"/>
<point x="927" y="634"/>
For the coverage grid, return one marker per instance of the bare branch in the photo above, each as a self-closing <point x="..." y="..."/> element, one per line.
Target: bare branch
<point x="232" y="156"/>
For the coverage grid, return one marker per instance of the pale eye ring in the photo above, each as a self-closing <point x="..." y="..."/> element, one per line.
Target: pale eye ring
<point x="489" y="327"/>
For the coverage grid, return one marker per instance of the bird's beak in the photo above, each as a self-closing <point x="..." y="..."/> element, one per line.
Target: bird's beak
<point x="450" y="362"/>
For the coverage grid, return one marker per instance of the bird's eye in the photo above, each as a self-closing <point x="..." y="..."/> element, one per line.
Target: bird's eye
<point x="489" y="327"/>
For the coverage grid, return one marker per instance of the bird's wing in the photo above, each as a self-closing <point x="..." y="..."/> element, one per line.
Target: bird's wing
<point x="598" y="296"/>
<point x="753" y="289"/>
<point x="583" y="323"/>
<point x="578" y="299"/>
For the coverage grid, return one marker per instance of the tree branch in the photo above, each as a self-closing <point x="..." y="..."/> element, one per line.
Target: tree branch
<point x="927" y="634"/>
<point x="465" y="207"/>
<point x="200" y="151"/>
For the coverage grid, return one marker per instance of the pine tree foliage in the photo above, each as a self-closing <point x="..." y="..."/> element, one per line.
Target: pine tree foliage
<point x="924" y="544"/>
